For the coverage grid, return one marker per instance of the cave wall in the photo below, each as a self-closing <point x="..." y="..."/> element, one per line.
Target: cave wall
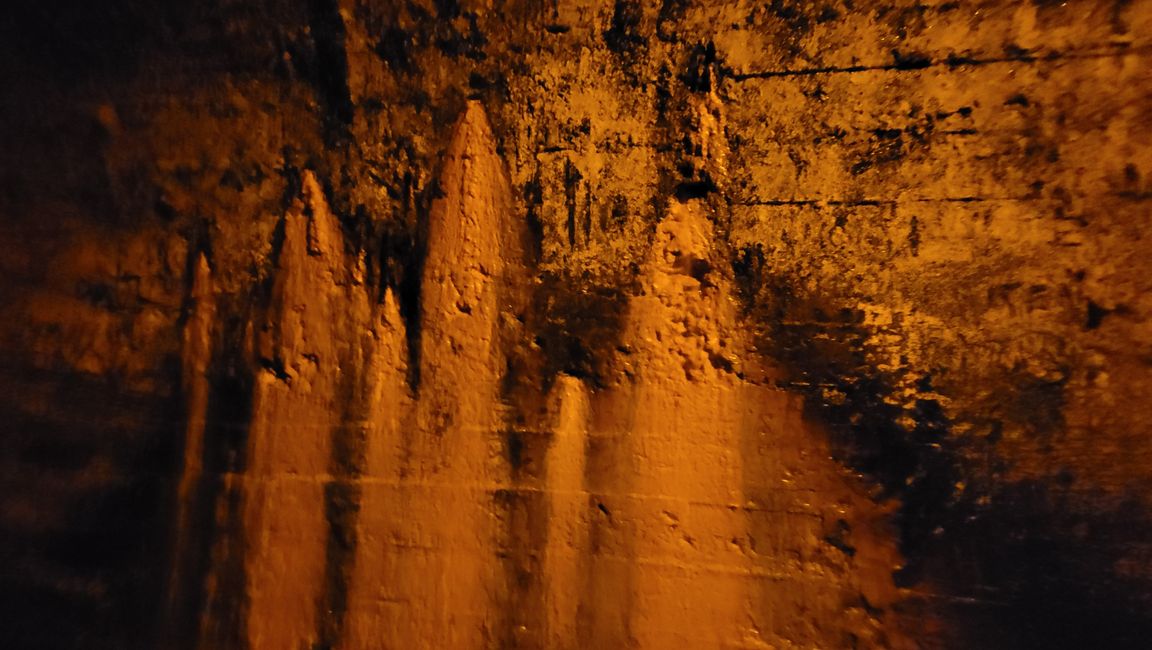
<point x="915" y="227"/>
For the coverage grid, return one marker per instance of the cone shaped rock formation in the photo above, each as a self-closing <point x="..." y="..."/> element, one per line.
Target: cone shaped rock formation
<point x="672" y="506"/>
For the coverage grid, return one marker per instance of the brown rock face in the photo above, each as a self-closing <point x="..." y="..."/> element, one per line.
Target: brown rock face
<point x="445" y="582"/>
<point x="357" y="324"/>
<point x="713" y="534"/>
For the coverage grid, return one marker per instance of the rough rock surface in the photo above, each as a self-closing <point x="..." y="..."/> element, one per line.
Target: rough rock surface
<point x="505" y="323"/>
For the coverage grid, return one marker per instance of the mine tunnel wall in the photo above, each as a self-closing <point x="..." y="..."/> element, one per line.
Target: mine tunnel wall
<point x="354" y="323"/>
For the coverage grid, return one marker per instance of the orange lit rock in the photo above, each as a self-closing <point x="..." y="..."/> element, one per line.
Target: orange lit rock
<point x="374" y="610"/>
<point x="708" y="534"/>
<point x="443" y="587"/>
<point x="362" y="324"/>
<point x="293" y="415"/>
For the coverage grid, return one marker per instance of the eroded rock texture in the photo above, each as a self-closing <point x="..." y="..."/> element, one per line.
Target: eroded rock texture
<point x="576" y="324"/>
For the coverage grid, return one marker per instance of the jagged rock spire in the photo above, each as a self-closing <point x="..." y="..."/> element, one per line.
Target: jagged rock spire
<point x="474" y="251"/>
<point x="446" y="566"/>
<point x="701" y="470"/>
<point x="290" y="440"/>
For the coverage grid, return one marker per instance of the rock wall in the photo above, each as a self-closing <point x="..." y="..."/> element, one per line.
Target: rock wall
<point x="360" y="324"/>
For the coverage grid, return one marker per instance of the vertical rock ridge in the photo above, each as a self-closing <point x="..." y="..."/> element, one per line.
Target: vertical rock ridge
<point x="372" y="611"/>
<point x="196" y="357"/>
<point x="670" y="507"/>
<point x="446" y="569"/>
<point x="473" y="243"/>
<point x="565" y="557"/>
<point x="300" y="506"/>
<point x="703" y="530"/>
<point x="666" y="475"/>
